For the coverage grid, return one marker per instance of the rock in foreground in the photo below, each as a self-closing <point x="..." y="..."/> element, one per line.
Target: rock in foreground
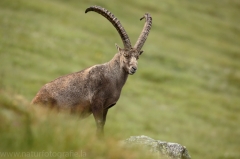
<point x="159" y="148"/>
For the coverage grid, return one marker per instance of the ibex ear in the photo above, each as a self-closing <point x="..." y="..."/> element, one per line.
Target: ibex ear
<point x="140" y="53"/>
<point x="118" y="48"/>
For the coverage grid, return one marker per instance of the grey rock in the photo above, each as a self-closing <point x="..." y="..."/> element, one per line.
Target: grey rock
<point x="159" y="148"/>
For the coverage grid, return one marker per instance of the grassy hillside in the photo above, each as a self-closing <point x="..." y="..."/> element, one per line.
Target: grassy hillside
<point x="187" y="88"/>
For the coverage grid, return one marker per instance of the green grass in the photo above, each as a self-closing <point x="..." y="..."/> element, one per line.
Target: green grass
<point x="187" y="88"/>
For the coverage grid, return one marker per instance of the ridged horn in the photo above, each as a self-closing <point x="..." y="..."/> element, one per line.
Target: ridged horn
<point x="144" y="34"/>
<point x="115" y="22"/>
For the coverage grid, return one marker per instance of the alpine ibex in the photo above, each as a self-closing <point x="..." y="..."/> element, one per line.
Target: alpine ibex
<point x="97" y="88"/>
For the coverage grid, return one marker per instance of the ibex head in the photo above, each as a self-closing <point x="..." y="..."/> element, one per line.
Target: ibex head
<point x="128" y="55"/>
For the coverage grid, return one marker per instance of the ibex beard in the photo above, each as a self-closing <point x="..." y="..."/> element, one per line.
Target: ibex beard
<point x="96" y="89"/>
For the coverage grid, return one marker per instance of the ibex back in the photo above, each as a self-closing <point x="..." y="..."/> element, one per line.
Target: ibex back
<point x="95" y="89"/>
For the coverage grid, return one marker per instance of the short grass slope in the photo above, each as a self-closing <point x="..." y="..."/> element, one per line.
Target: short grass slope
<point x="186" y="90"/>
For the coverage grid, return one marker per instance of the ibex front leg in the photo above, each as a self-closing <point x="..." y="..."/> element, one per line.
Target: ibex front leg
<point x="100" y="115"/>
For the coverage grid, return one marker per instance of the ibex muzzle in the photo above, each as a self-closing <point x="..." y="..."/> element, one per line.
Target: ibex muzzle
<point x="95" y="89"/>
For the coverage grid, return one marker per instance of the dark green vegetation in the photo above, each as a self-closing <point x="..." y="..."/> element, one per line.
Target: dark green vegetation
<point x="187" y="88"/>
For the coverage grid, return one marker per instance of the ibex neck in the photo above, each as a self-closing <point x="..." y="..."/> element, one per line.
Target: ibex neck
<point x="116" y="70"/>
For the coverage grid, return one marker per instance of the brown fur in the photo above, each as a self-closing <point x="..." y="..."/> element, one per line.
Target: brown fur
<point x="92" y="90"/>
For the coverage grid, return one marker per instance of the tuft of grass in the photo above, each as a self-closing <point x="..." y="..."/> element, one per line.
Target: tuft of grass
<point x="186" y="89"/>
<point x="33" y="131"/>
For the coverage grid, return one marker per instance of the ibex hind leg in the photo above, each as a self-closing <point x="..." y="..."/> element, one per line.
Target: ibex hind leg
<point x="44" y="100"/>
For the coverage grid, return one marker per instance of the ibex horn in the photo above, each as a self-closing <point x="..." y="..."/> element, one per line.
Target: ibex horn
<point x="116" y="23"/>
<point x="144" y="34"/>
